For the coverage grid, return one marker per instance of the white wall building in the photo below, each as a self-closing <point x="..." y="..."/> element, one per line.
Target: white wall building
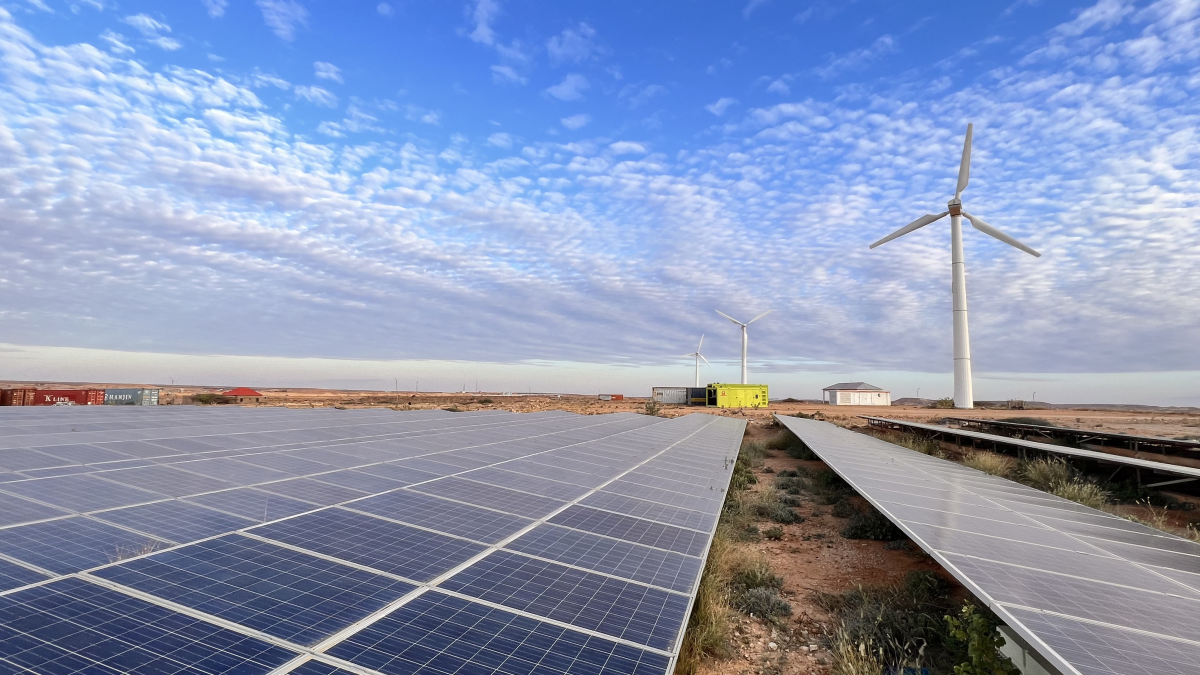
<point x="856" y="393"/>
<point x="670" y="395"/>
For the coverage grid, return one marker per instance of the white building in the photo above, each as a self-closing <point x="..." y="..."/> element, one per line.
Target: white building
<point x="856" y="393"/>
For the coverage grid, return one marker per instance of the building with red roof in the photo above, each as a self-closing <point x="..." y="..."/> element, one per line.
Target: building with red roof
<point x="243" y="395"/>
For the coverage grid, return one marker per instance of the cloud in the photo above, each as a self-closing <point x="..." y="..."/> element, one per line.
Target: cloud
<point x="328" y="71"/>
<point x="148" y="26"/>
<point x="723" y="64"/>
<point x="636" y="96"/>
<point x="216" y="8"/>
<point x="283" y="17"/>
<point x="720" y="106"/>
<point x="576" y="121"/>
<point x="507" y="74"/>
<point x="317" y="95"/>
<point x="163" y="42"/>
<point x="627" y="148"/>
<point x="500" y="140"/>
<point x="482" y="16"/>
<point x="751" y="6"/>
<point x="116" y="43"/>
<point x="779" y="86"/>
<point x="836" y="65"/>
<point x="384" y="9"/>
<point x="570" y="89"/>
<point x="573" y="45"/>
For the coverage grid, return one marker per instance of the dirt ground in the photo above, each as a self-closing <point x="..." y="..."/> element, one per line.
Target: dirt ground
<point x="812" y="556"/>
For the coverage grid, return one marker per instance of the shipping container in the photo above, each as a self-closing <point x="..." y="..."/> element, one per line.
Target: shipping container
<point x="131" y="396"/>
<point x="670" y="395"/>
<point x="17" y="397"/>
<point x="737" y="395"/>
<point x="611" y="397"/>
<point x="68" y="397"/>
<point x="697" y="395"/>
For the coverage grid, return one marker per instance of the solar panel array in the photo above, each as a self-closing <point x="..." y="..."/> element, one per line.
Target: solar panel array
<point x="256" y="540"/>
<point x="1091" y="592"/>
<point x="1106" y="457"/>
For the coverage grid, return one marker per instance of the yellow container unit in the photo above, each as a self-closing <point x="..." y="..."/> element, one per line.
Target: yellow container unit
<point x="737" y="395"/>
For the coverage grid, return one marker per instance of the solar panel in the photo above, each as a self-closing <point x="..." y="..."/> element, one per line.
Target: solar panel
<point x="276" y="590"/>
<point x="13" y="576"/>
<point x="81" y="493"/>
<point x="15" y="510"/>
<point x="280" y="559"/>
<point x="438" y="633"/>
<point x="72" y="626"/>
<point x="1092" y="592"/>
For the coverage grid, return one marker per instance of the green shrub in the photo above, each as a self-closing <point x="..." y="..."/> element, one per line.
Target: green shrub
<point x="978" y="634"/>
<point x="210" y="399"/>
<point x="652" y="408"/>
<point x="944" y="403"/>
<point x="756" y="574"/>
<point x="898" y="545"/>
<point x="485" y="401"/>
<point x="790" y="500"/>
<point x="763" y="603"/>
<point x="872" y="525"/>
<point x="773" y="533"/>
<point x="843" y="509"/>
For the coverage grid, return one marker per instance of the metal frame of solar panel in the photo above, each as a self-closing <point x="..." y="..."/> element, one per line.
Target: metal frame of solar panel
<point x="1090" y="592"/>
<point x="324" y="541"/>
<point x="1020" y="443"/>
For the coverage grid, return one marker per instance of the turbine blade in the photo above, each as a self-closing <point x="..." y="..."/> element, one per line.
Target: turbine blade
<point x="705" y="361"/>
<point x="983" y="227"/>
<point x="701" y="343"/>
<point x="729" y="317"/>
<point x="759" y="316"/>
<point x="964" y="169"/>
<point x="914" y="225"/>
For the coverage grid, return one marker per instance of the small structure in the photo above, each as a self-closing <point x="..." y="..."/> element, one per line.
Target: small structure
<point x="17" y="397"/>
<point x="697" y="395"/>
<point x="737" y="396"/>
<point x="611" y="397"/>
<point x="670" y="395"/>
<point x="131" y="396"/>
<point x="68" y="397"/>
<point x="856" y="393"/>
<point x="243" y="395"/>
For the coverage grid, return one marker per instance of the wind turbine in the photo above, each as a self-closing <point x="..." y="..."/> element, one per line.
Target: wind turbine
<point x="744" y="339"/>
<point x="699" y="357"/>
<point x="964" y="396"/>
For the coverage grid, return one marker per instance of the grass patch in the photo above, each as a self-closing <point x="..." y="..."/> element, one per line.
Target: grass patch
<point x="485" y="401"/>
<point x="773" y="533"/>
<point x="1082" y="492"/>
<point x="991" y="462"/>
<point x="1043" y="474"/>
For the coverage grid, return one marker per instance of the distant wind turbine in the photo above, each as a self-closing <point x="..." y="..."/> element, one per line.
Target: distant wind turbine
<point x="699" y="357"/>
<point x="744" y="338"/>
<point x="964" y="395"/>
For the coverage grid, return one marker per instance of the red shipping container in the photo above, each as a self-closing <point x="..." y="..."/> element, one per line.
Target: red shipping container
<point x="69" y="396"/>
<point x="16" y="397"/>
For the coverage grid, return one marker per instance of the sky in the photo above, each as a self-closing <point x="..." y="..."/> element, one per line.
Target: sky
<point x="558" y="196"/>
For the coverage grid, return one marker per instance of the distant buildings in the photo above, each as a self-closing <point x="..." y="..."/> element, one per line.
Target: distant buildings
<point x="856" y="393"/>
<point x="243" y="395"/>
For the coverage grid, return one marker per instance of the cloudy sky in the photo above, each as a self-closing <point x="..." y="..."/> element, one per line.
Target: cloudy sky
<point x="492" y="186"/>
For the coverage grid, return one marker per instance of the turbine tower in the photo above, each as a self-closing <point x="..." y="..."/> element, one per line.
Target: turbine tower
<point x="744" y="339"/>
<point x="699" y="357"/>
<point x="964" y="395"/>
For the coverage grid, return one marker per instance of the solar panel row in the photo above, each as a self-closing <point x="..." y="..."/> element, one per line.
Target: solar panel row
<point x="392" y="542"/>
<point x="1093" y="593"/>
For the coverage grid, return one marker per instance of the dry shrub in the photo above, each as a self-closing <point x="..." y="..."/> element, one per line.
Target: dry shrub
<point x="855" y="658"/>
<point x="991" y="462"/>
<point x="1044" y="474"/>
<point x="708" y="627"/>
<point x="1083" y="492"/>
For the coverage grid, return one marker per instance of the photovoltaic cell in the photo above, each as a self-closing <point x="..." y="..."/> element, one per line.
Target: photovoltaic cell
<point x="532" y="484"/>
<point x="15" y="510"/>
<point x="72" y="626"/>
<point x="373" y="542"/>
<point x="442" y="515"/>
<point x="640" y="508"/>
<point x="72" y="544"/>
<point x="437" y="634"/>
<point x="313" y="491"/>
<point x="276" y="590"/>
<point x="621" y="609"/>
<point x="318" y="668"/>
<point x="398" y="473"/>
<point x="167" y="480"/>
<point x="233" y="471"/>
<point x="177" y="521"/>
<point x="491" y="496"/>
<point x="81" y="493"/>
<point x="655" y="566"/>
<point x="14" y="576"/>
<point x="254" y="504"/>
<point x="688" y="542"/>
<point x="356" y="480"/>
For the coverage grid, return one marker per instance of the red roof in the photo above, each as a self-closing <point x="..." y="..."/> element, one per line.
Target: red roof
<point x="241" y="391"/>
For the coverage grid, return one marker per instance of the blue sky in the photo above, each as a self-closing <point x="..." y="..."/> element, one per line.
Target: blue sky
<point x="508" y="184"/>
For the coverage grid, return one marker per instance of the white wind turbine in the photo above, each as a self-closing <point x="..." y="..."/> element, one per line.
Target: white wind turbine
<point x="744" y="339"/>
<point x="964" y="396"/>
<point x="699" y="357"/>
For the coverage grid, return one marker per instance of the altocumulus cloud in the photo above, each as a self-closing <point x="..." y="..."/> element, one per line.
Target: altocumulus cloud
<point x="191" y="217"/>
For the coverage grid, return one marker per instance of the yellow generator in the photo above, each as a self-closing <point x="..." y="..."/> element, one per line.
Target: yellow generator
<point x="737" y="395"/>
